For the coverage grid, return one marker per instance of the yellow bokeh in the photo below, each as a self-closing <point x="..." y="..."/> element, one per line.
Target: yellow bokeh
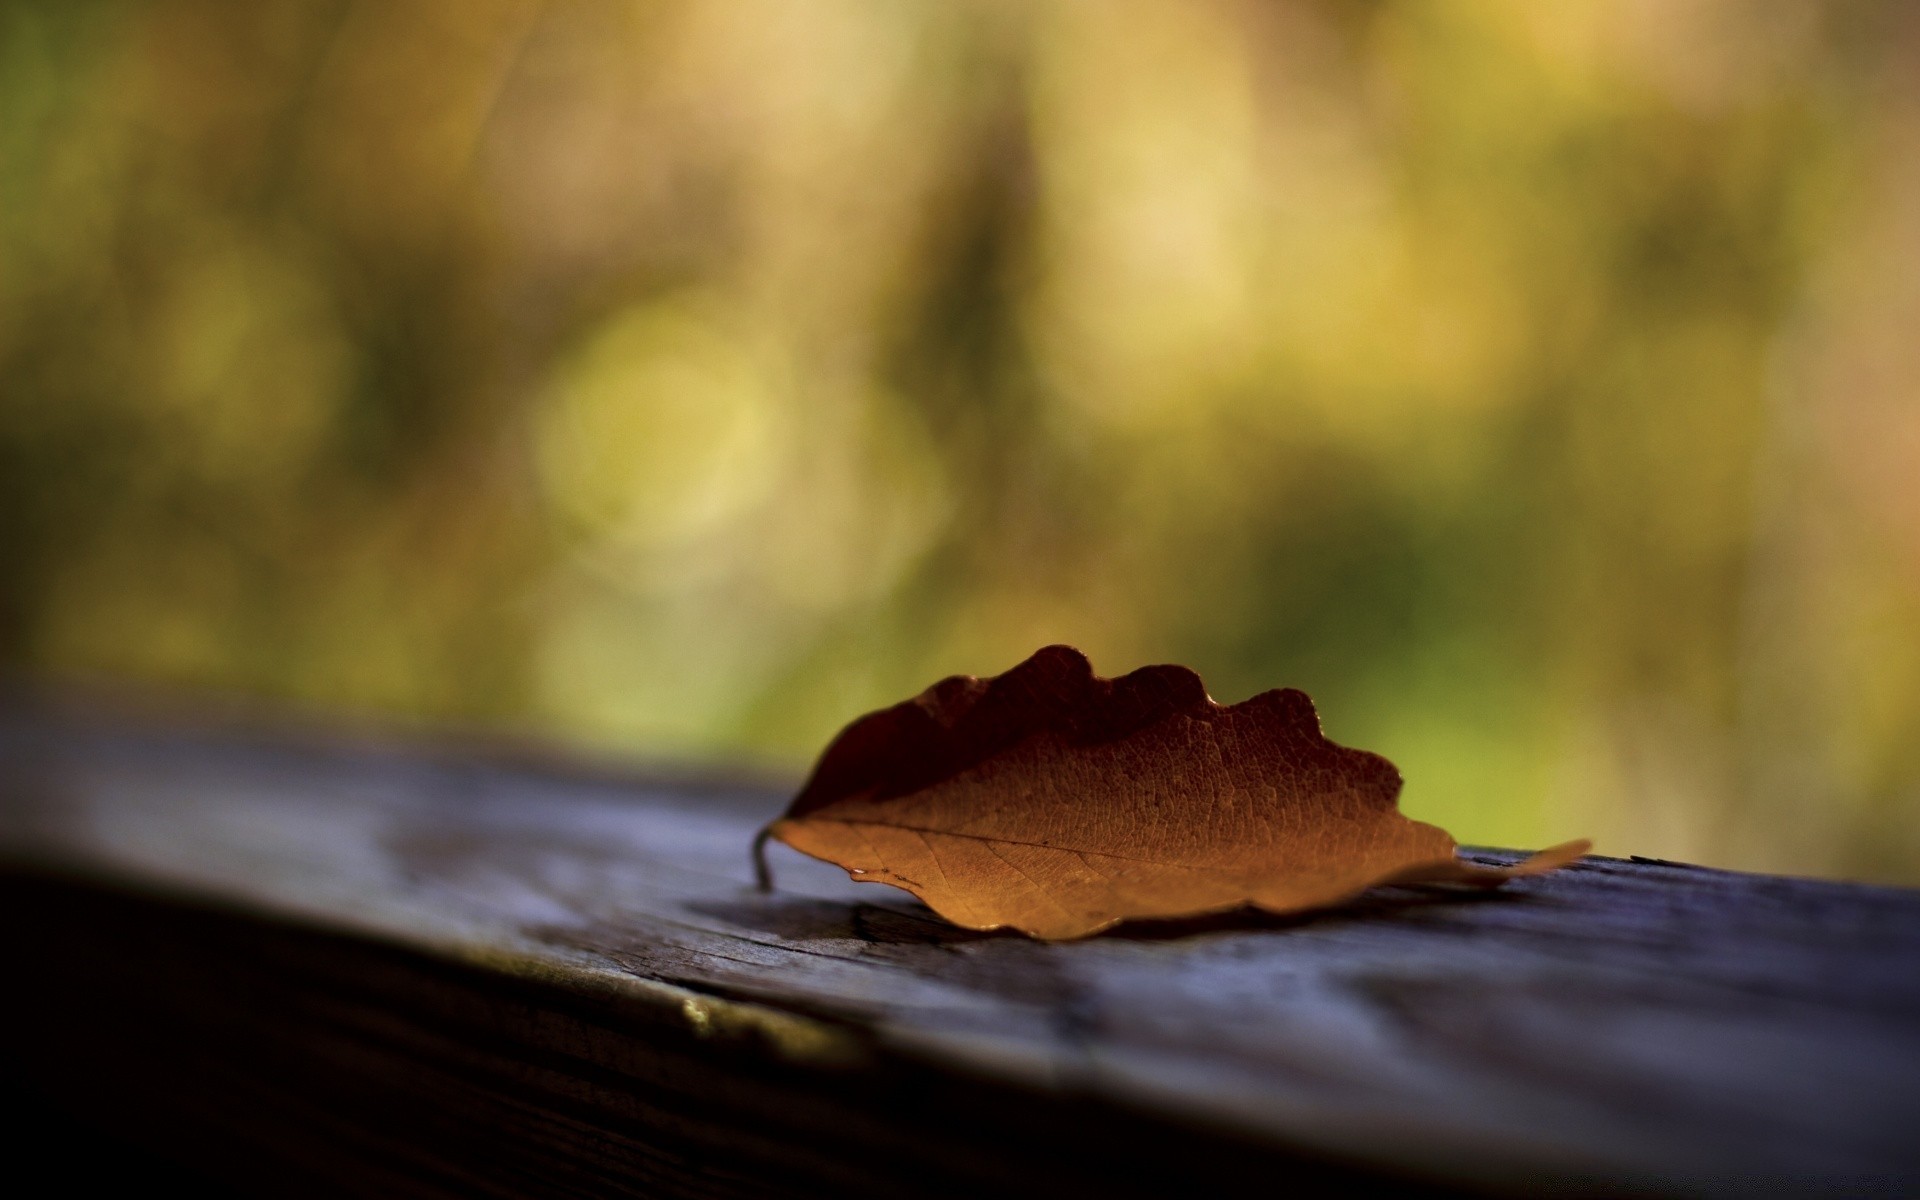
<point x="1531" y="382"/>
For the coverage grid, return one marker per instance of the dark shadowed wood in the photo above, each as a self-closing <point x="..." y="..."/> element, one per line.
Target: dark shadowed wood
<point x="305" y="964"/>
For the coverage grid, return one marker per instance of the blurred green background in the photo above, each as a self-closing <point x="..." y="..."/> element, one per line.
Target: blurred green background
<point x="1536" y="384"/>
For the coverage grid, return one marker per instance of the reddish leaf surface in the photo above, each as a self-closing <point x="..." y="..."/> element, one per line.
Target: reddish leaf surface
<point x="1059" y="803"/>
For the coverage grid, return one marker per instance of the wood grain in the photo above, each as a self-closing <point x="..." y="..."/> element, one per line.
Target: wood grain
<point x="309" y="962"/>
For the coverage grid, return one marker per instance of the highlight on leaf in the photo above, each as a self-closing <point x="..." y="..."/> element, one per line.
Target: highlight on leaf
<point x="1059" y="803"/>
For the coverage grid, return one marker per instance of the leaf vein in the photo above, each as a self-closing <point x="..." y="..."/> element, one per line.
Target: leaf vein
<point x="1008" y="841"/>
<point x="1031" y="881"/>
<point x="933" y="856"/>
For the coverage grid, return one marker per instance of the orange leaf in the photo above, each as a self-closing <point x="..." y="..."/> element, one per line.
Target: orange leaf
<point x="1060" y="803"/>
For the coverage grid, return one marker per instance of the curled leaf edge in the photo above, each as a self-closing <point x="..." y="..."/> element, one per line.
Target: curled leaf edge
<point x="1455" y="870"/>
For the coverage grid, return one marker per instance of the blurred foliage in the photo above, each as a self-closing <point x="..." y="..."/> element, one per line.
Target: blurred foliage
<point x="1535" y="384"/>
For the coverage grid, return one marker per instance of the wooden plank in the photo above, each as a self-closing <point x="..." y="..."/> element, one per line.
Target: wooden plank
<point x="444" y="969"/>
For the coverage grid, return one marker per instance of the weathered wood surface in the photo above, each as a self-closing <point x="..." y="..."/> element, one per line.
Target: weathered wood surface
<point x="444" y="970"/>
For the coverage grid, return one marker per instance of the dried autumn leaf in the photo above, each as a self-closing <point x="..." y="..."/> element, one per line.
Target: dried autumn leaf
<point x="1060" y="803"/>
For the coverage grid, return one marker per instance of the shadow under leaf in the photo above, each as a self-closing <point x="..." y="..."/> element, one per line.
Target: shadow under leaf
<point x="807" y="918"/>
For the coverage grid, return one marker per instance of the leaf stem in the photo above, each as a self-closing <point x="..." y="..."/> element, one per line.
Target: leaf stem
<point x="762" y="876"/>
